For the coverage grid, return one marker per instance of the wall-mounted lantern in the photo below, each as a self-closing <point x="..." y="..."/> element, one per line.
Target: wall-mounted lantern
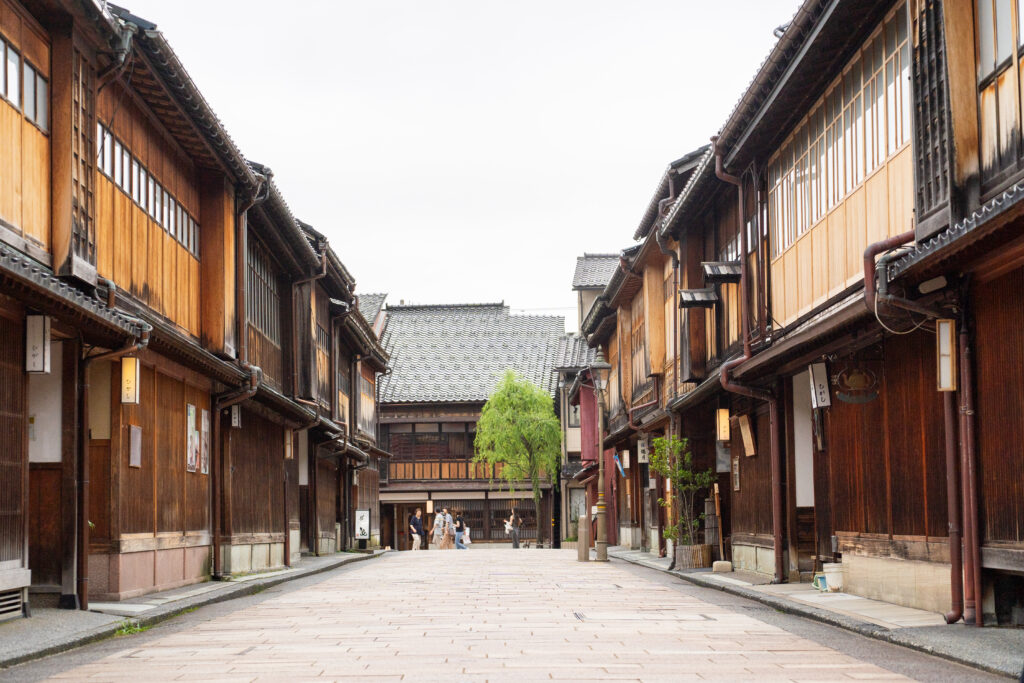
<point x="945" y="353"/>
<point x="130" y="372"/>
<point x="37" y="344"/>
<point x="722" y="424"/>
<point x="430" y="507"/>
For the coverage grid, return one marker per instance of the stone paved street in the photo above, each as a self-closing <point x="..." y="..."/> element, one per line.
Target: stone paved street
<point x="490" y="615"/>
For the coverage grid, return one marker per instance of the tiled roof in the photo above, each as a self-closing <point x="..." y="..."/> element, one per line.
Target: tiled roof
<point x="370" y="305"/>
<point x="573" y="353"/>
<point x="459" y="352"/>
<point x="594" y="270"/>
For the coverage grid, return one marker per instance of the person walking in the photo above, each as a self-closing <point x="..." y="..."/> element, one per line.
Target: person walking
<point x="439" y="529"/>
<point x="449" y="530"/>
<point x="416" y="529"/>
<point x="514" y="521"/>
<point x="460" y="529"/>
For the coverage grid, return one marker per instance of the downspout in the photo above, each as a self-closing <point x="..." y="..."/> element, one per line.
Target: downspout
<point x="757" y="394"/>
<point x="970" y="483"/>
<point x="84" y="460"/>
<point x="961" y="563"/>
<point x="241" y="270"/>
<point x="120" y="63"/>
<point x="220" y="402"/>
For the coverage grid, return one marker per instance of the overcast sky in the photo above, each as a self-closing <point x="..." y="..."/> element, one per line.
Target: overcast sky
<point x="469" y="150"/>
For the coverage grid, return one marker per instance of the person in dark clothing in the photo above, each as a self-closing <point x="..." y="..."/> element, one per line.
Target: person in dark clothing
<point x="416" y="528"/>
<point x="513" y="524"/>
<point x="460" y="528"/>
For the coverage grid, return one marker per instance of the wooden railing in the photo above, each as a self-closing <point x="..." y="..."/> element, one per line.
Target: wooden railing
<point x="441" y="469"/>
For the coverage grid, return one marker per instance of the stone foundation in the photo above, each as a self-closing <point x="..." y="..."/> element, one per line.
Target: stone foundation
<point x="911" y="583"/>
<point x="120" y="576"/>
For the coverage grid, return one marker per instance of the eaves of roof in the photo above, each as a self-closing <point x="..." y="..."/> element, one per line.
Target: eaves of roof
<point x="821" y="35"/>
<point x="598" y="311"/>
<point x="180" y="87"/>
<point x="989" y="217"/>
<point x="681" y="168"/>
<point x="35" y="285"/>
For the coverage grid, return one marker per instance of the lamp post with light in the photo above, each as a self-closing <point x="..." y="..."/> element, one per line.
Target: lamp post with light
<point x="599" y="371"/>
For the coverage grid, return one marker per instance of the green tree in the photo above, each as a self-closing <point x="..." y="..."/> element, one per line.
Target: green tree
<point x="673" y="460"/>
<point x="519" y="431"/>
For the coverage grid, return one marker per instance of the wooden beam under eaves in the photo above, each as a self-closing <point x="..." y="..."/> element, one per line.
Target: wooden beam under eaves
<point x="698" y="298"/>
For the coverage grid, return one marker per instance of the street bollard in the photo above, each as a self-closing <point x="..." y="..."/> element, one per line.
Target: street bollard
<point x="583" y="539"/>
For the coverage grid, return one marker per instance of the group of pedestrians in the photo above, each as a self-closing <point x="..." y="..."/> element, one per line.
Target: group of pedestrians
<point x="448" y="531"/>
<point x="451" y="532"/>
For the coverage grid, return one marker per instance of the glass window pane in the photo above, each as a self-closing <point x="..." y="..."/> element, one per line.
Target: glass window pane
<point x="1004" y="30"/>
<point x="42" y="104"/>
<point x="13" y="91"/>
<point x="1020" y="34"/>
<point x="117" y="163"/>
<point x="985" y="38"/>
<point x="30" y="93"/>
<point x="126" y="163"/>
<point x="150" y="188"/>
<point x="172" y="224"/>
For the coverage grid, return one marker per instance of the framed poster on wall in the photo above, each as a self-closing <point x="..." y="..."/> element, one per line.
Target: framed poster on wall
<point x="362" y="525"/>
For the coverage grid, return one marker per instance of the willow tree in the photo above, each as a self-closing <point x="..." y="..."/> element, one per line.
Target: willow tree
<point x="518" y="430"/>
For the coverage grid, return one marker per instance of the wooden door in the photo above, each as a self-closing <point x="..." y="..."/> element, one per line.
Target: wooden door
<point x="13" y="454"/>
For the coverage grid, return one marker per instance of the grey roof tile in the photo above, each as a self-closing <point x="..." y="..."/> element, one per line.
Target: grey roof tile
<point x="459" y="352"/>
<point x="370" y="305"/>
<point x="594" y="270"/>
<point x="573" y="353"/>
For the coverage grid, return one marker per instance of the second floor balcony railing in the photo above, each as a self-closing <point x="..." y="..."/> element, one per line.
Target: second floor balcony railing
<point x="413" y="470"/>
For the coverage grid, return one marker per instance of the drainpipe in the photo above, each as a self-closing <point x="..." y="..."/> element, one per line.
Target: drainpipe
<point x="870" y="267"/>
<point x="970" y="483"/>
<point x="241" y="271"/>
<point x="757" y="394"/>
<point x="84" y="459"/>
<point x="220" y="402"/>
<point x="964" y="562"/>
<point x="117" y="67"/>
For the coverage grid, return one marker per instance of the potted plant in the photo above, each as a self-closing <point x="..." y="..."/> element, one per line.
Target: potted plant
<point x="673" y="460"/>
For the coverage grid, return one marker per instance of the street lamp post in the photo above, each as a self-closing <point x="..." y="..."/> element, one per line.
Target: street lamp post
<point x="599" y="371"/>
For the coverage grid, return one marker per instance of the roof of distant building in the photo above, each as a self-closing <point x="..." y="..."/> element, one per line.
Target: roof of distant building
<point x="573" y="353"/>
<point x="459" y="352"/>
<point x="370" y="305"/>
<point x="594" y="270"/>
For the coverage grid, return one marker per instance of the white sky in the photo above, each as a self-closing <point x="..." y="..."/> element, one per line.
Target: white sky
<point x="469" y="150"/>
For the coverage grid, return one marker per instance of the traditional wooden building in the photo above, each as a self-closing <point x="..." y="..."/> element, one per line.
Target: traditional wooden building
<point x="148" y="279"/>
<point x="855" y="212"/>
<point x="445" y="361"/>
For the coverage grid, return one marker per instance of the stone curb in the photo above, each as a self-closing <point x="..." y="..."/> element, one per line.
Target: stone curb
<point x="842" y="621"/>
<point x="161" y="614"/>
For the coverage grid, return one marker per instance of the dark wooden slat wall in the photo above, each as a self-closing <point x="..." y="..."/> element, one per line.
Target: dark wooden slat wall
<point x="751" y="505"/>
<point x="1000" y="407"/>
<point x="884" y="456"/>
<point x="327" y="496"/>
<point x="170" y="468"/>
<point x="257" y="499"/>
<point x="138" y="484"/>
<point x="44" y="528"/>
<point x="14" y="455"/>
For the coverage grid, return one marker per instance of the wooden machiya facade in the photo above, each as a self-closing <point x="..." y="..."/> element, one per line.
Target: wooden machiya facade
<point x="158" y="341"/>
<point x="447" y="360"/>
<point x="848" y="247"/>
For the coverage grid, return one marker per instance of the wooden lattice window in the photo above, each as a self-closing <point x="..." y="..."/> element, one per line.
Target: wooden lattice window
<point x="641" y="362"/>
<point x="83" y="228"/>
<point x="263" y="300"/>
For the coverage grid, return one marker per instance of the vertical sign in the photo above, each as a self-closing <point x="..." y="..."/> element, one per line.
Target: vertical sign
<point x="362" y="525"/>
<point x="204" y="455"/>
<point x="735" y="473"/>
<point x="820" y="396"/>
<point x="135" y="446"/>
<point x="37" y="344"/>
<point x="748" y="435"/>
<point x="130" y="371"/>
<point x="190" y="438"/>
